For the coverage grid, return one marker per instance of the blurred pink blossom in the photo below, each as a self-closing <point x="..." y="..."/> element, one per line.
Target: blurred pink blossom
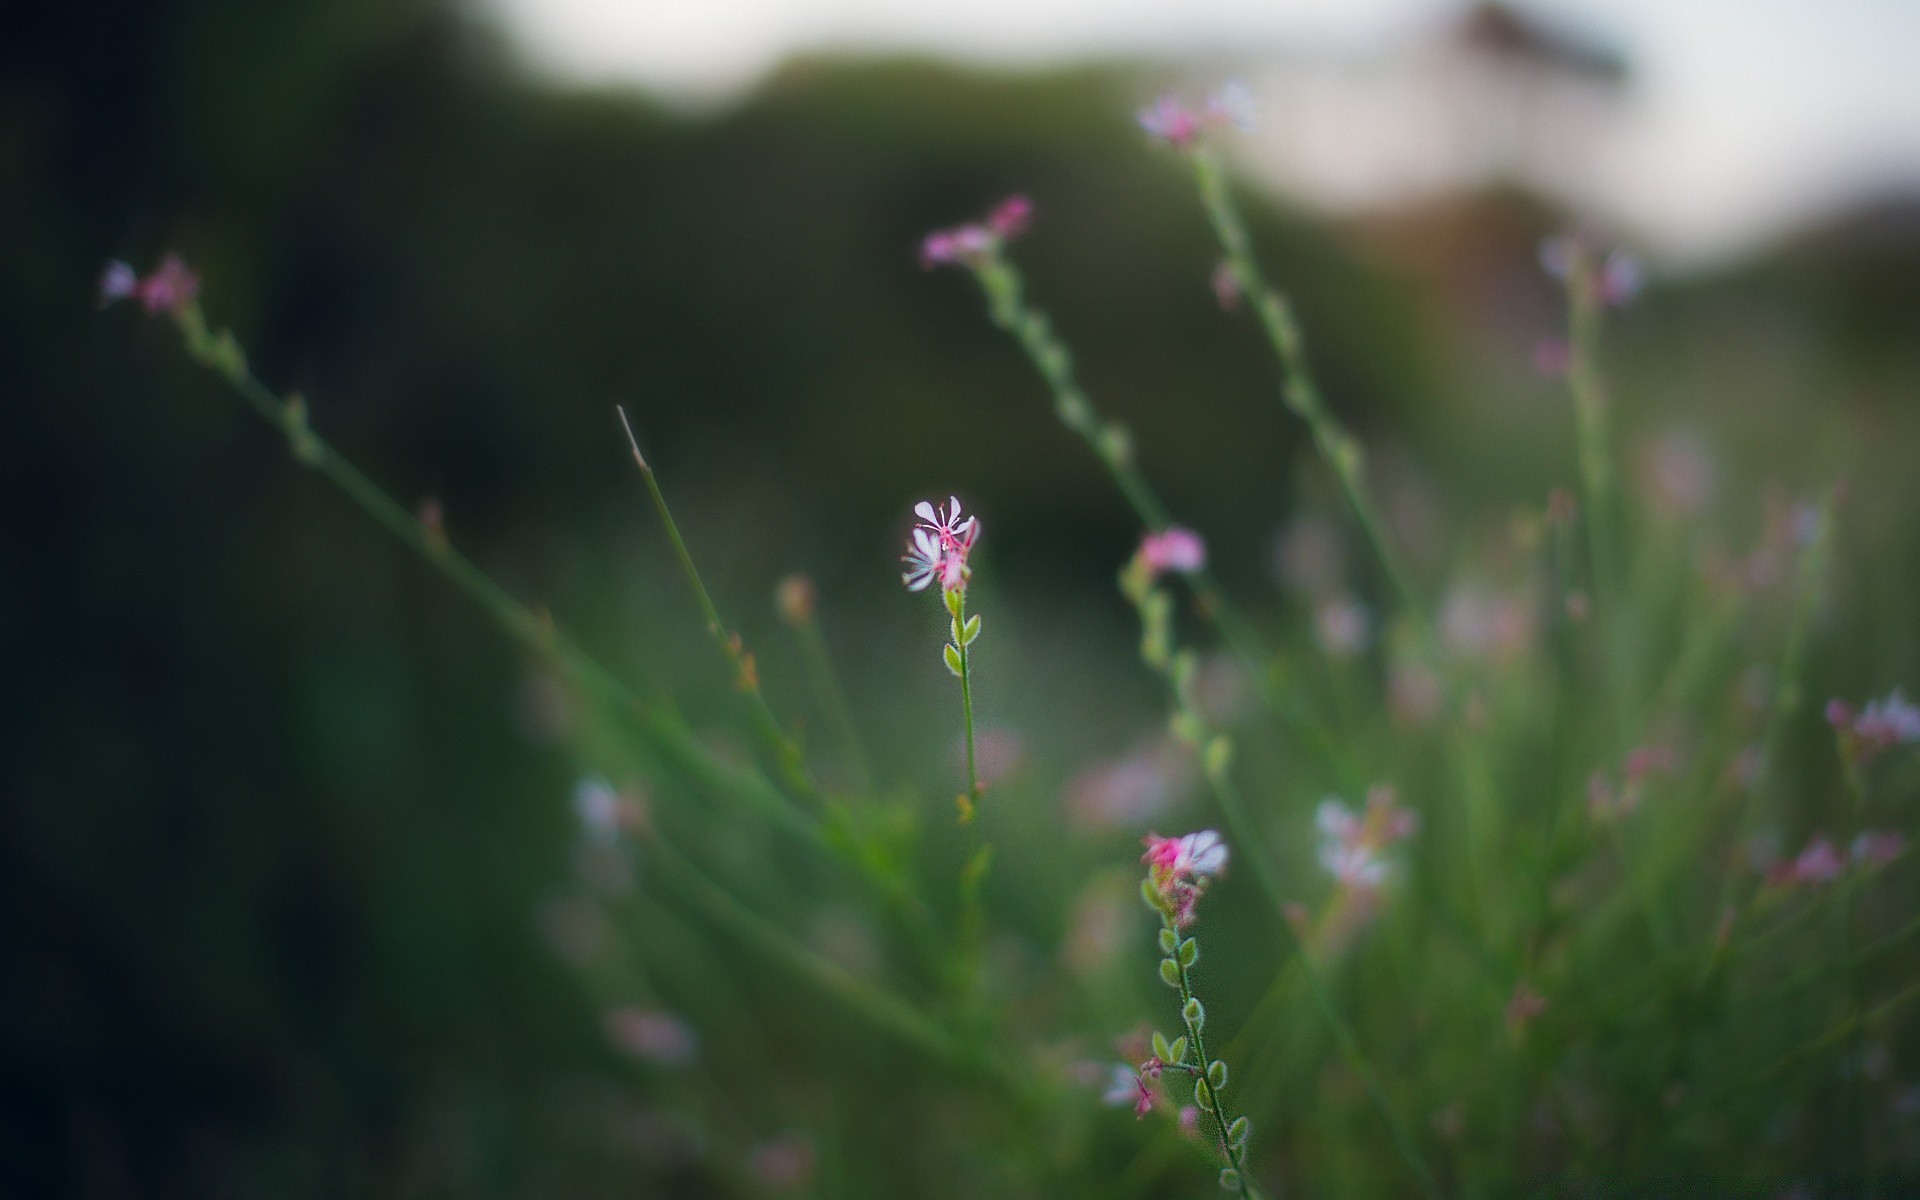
<point x="1173" y="549"/>
<point x="657" y="1036"/>
<point x="1343" y="627"/>
<point x="783" y="1164"/>
<point x="170" y="289"/>
<point x="1877" y="847"/>
<point x="971" y="244"/>
<point x="1351" y="843"/>
<point x="1818" y="863"/>
<point x="1882" y="725"/>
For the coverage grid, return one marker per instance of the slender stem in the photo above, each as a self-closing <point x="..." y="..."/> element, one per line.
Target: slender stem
<point x="786" y="752"/>
<point x="1298" y="390"/>
<point x="1595" y="457"/>
<point x="973" y="867"/>
<point x="1235" y="1151"/>
<point x="1004" y="289"/>
<point x="665" y="734"/>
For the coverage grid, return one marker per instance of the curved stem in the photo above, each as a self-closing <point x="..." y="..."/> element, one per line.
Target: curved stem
<point x="1298" y="390"/>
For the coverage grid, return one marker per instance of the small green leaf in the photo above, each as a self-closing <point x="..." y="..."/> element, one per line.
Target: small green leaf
<point x="1161" y="1050"/>
<point x="1201" y="1094"/>
<point x="1194" y="1014"/>
<point x="1170" y="972"/>
<point x="1179" y="1049"/>
<point x="971" y="631"/>
<point x="1169" y="941"/>
<point x="952" y="654"/>
<point x="1229" y="1179"/>
<point x="1189" y="952"/>
<point x="1151" y="895"/>
<point x="1237" y="1132"/>
<point x="1217" y="1074"/>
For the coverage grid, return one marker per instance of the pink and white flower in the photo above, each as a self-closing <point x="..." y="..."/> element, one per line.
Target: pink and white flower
<point x="1174" y="548"/>
<point x="1128" y="1086"/>
<point x="1882" y="725"/>
<point x="938" y="547"/>
<point x="1819" y="863"/>
<point x="1172" y="121"/>
<point x="171" y="288"/>
<point x="973" y="243"/>
<point x="1351" y="843"/>
<point x="1179" y="869"/>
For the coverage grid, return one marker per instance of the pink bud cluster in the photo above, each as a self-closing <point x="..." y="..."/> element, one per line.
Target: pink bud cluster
<point x="1882" y="725"/>
<point x="971" y="244"/>
<point x="1179" y="125"/>
<point x="939" y="546"/>
<point x="171" y="288"/>
<point x="1179" y="869"/>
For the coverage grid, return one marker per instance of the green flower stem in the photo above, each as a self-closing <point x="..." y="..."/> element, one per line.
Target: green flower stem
<point x="1235" y="1152"/>
<point x="786" y="752"/>
<point x="1004" y="289"/>
<point x="1594" y="452"/>
<point x="1298" y="390"/>
<point x="973" y="868"/>
<point x="664" y="733"/>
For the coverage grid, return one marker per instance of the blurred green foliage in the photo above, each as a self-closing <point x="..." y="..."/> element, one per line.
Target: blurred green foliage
<point x="285" y="817"/>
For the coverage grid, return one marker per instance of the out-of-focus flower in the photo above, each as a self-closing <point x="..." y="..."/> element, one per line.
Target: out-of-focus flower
<point x="1128" y="1086"/>
<point x="1615" y="279"/>
<point x="606" y="812"/>
<point x="1172" y="121"/>
<point x="1476" y="622"/>
<point x="1643" y="761"/>
<point x="972" y="244"/>
<point x="1552" y="357"/>
<point x="657" y="1036"/>
<point x="1877" y="847"/>
<point x="1525" y="1006"/>
<point x="1343" y="627"/>
<point x="1677" y="474"/>
<point x="1351" y="843"/>
<point x="598" y="807"/>
<point x="1010" y="218"/>
<point x="1882" y="725"/>
<point x="170" y="289"/>
<point x="1226" y="286"/>
<point x="783" y="1164"/>
<point x="1189" y="1121"/>
<point x="1818" y="863"/>
<point x="997" y="754"/>
<point x="795" y="599"/>
<point x="1179" y="870"/>
<point x="1130" y="791"/>
<point x="1413" y="694"/>
<point x="1098" y="929"/>
<point x="1621" y="278"/>
<point x="1173" y="549"/>
<point x="117" y="282"/>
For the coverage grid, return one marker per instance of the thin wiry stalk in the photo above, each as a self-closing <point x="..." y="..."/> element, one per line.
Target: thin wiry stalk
<point x="663" y="732"/>
<point x="1298" y="390"/>
<point x="1007" y="304"/>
